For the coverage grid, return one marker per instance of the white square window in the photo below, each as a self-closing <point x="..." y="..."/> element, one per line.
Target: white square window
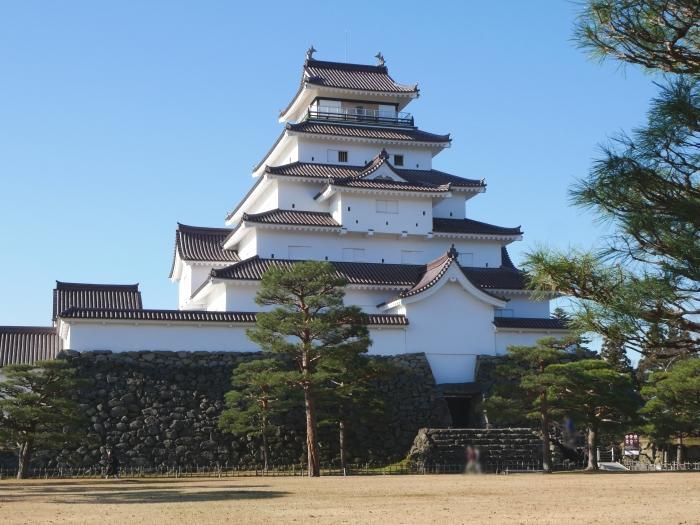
<point x="466" y="259"/>
<point x="354" y="254"/>
<point x="387" y="206"/>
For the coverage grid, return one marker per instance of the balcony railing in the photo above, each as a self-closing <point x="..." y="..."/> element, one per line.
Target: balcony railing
<point x="361" y="115"/>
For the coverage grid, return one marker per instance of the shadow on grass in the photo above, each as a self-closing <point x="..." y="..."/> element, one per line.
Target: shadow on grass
<point x="142" y="495"/>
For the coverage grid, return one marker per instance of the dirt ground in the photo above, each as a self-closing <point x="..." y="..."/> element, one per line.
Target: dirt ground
<point x="663" y="498"/>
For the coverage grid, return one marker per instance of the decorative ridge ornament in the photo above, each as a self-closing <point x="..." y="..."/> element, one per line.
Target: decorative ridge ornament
<point x="310" y="52"/>
<point x="380" y="59"/>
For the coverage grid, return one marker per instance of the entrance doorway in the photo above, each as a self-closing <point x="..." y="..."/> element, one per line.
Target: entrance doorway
<point x="460" y="410"/>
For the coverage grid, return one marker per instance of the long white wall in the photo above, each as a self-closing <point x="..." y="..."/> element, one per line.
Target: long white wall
<point x="325" y="152"/>
<point x="504" y="339"/>
<point x="210" y="337"/>
<point x="386" y="214"/>
<point x="377" y="248"/>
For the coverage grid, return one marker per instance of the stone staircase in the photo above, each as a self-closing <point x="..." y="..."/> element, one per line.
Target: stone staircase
<point x="499" y="448"/>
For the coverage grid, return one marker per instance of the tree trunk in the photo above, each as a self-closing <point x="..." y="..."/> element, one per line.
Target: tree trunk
<point x="591" y="445"/>
<point x="546" y="451"/>
<point x="265" y="447"/>
<point x="679" y="449"/>
<point x="25" y="456"/>
<point x="311" y="438"/>
<point x="341" y="442"/>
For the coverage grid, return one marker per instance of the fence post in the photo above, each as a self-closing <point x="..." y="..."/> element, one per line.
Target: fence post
<point x="597" y="454"/>
<point x="612" y="453"/>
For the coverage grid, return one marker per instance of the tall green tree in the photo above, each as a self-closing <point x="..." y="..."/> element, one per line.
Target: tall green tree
<point x="260" y="394"/>
<point x="672" y="408"/>
<point x="645" y="183"/>
<point x="614" y="353"/>
<point x="37" y="409"/>
<point x="592" y="393"/>
<point x="309" y="324"/>
<point x="519" y="391"/>
<point x="349" y="395"/>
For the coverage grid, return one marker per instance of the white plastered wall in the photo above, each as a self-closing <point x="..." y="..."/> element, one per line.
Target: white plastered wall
<point x="452" y="327"/>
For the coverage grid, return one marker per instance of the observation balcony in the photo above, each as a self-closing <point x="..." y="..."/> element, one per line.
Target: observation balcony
<point x="364" y="116"/>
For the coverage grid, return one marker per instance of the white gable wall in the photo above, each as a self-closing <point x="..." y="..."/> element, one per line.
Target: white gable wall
<point x="452" y="327"/>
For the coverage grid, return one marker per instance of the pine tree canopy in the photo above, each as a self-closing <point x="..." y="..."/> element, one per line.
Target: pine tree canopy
<point x="646" y="184"/>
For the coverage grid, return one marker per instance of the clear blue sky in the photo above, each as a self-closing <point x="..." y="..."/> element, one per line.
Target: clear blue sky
<point x="118" y="119"/>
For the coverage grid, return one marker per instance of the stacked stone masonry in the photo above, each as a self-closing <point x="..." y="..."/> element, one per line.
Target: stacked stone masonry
<point x="160" y="409"/>
<point x="498" y="447"/>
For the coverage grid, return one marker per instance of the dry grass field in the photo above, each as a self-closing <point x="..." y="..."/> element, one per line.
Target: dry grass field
<point x="664" y="498"/>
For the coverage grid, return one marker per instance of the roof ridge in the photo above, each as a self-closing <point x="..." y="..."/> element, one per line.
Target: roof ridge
<point x="62" y="285"/>
<point x="28" y="329"/>
<point x="182" y="226"/>
<point x="347" y="66"/>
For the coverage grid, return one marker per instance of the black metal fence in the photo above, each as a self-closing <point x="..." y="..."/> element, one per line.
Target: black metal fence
<point x="224" y="471"/>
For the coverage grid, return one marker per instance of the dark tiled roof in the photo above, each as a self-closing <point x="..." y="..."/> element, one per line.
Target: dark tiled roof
<point x="375" y="274"/>
<point x="196" y="316"/>
<point x="378" y="274"/>
<point x="506" y="261"/>
<point x="67" y="295"/>
<point x="502" y="278"/>
<point x="434" y="271"/>
<point x="27" y="344"/>
<point x="335" y="171"/>
<point x="194" y="243"/>
<point x="406" y="135"/>
<point x="533" y="323"/>
<point x="471" y="226"/>
<point x="293" y="217"/>
<point x="352" y="76"/>
<point x="385" y="184"/>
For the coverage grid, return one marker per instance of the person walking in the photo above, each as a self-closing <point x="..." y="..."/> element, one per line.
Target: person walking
<point x="112" y="464"/>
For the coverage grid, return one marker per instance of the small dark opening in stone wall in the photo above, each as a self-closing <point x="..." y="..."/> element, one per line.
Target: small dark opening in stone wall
<point x="460" y="410"/>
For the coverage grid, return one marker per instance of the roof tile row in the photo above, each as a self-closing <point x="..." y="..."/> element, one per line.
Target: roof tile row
<point x="352" y="76"/>
<point x="197" y="316"/>
<point x="67" y="295"/>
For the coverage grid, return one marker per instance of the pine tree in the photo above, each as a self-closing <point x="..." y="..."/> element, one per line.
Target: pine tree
<point x="646" y="184"/>
<point x="519" y="393"/>
<point x="308" y="324"/>
<point x="672" y="407"/>
<point x="614" y="353"/>
<point x="37" y="409"/>
<point x="260" y="393"/>
<point x="349" y="395"/>
<point x="593" y="393"/>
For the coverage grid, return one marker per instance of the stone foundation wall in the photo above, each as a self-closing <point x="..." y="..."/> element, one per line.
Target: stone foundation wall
<point x="161" y="409"/>
<point x="504" y="447"/>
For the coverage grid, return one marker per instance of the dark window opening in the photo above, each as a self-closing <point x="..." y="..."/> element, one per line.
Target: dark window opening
<point x="398" y="160"/>
<point x="460" y="409"/>
<point x="342" y="156"/>
<point x="293" y="205"/>
<point x="423" y="214"/>
<point x="348" y="208"/>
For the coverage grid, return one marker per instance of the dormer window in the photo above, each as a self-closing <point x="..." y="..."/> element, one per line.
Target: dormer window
<point x="398" y="160"/>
